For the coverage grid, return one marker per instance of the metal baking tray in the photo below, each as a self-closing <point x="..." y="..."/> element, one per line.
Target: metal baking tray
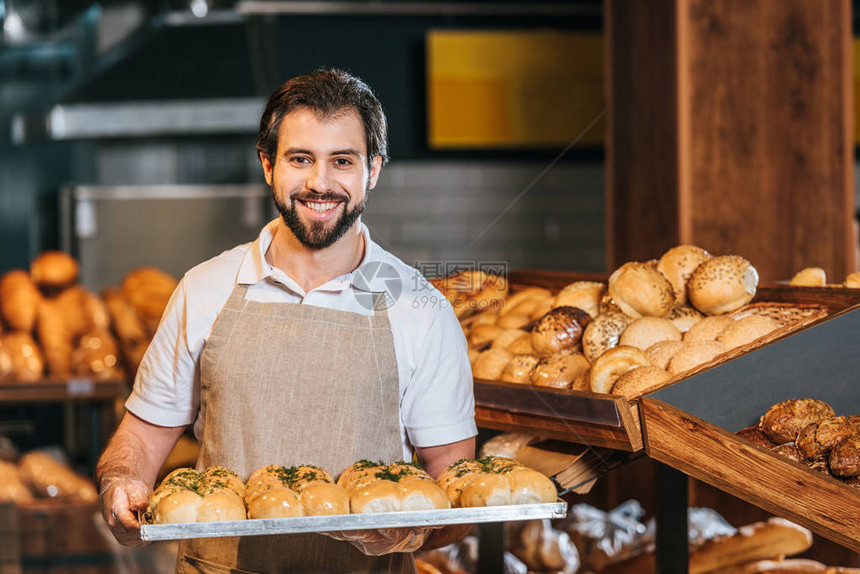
<point x="298" y="524"/>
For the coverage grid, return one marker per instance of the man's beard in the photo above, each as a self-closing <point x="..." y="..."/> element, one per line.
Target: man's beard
<point x="319" y="234"/>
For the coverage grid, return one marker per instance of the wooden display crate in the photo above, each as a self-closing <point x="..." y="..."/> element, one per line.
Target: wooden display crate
<point x="608" y="420"/>
<point x="690" y="425"/>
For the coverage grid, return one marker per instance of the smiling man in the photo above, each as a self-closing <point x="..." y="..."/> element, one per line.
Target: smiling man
<point x="310" y="345"/>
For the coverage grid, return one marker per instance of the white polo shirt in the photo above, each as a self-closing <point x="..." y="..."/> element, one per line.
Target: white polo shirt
<point x="436" y="402"/>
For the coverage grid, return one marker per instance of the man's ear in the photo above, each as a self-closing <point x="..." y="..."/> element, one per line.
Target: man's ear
<point x="375" y="168"/>
<point x="267" y="167"/>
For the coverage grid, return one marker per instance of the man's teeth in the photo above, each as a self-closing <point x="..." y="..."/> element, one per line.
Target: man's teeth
<point x="320" y="207"/>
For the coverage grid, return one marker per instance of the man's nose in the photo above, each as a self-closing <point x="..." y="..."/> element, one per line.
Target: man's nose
<point x="318" y="179"/>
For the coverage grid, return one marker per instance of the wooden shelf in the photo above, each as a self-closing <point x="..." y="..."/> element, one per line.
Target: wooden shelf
<point x="61" y="389"/>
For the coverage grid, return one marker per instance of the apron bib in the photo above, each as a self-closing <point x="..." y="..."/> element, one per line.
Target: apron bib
<point x="290" y="384"/>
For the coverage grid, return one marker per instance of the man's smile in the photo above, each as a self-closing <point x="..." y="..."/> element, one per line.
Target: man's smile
<point x="320" y="210"/>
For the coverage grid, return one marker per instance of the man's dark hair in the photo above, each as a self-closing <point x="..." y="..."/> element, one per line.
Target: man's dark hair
<point x="327" y="92"/>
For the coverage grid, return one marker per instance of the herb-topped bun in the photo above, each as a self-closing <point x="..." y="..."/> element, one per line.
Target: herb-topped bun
<point x="377" y="487"/>
<point x="495" y="481"/>
<point x="279" y="491"/>
<point x="186" y="495"/>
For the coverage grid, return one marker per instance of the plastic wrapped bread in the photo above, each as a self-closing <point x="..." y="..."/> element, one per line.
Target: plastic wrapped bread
<point x="279" y="492"/>
<point x="186" y="495"/>
<point x="376" y="487"/>
<point x="495" y="481"/>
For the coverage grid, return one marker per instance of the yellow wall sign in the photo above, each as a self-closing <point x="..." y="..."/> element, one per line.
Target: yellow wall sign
<point x="533" y="89"/>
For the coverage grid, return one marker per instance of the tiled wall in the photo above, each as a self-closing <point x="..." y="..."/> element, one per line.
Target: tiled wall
<point x="526" y="214"/>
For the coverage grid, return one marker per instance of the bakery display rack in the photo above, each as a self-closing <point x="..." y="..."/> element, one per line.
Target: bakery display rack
<point x="338" y="522"/>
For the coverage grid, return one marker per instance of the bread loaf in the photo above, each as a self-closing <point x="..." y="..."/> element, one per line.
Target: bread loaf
<point x="722" y="284"/>
<point x="148" y="290"/>
<point x="97" y="356"/>
<point x="189" y="496"/>
<point x="640" y="290"/>
<point x="783" y="421"/>
<point x="19" y="300"/>
<point x="54" y="270"/>
<point x="559" y="329"/>
<point x="678" y="264"/>
<point x="27" y="361"/>
<point x="845" y="457"/>
<point x="11" y="487"/>
<point x="377" y="487"/>
<point x="278" y="492"/>
<point x="55" y="336"/>
<point x="818" y="439"/>
<point x="495" y="481"/>
<point x="559" y="370"/>
<point x="50" y="478"/>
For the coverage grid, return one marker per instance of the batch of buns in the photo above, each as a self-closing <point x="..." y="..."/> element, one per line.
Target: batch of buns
<point x="53" y="326"/>
<point x="809" y="432"/>
<point x="273" y="491"/>
<point x="652" y="321"/>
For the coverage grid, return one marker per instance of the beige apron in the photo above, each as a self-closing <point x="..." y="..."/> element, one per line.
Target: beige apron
<point x="290" y="384"/>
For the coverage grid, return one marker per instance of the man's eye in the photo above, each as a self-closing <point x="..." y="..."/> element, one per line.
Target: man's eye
<point x="299" y="159"/>
<point x="342" y="162"/>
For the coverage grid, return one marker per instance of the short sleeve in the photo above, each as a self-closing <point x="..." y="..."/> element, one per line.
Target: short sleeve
<point x="165" y="391"/>
<point x="438" y="405"/>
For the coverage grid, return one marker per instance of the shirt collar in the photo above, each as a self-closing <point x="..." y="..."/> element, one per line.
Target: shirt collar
<point x="254" y="267"/>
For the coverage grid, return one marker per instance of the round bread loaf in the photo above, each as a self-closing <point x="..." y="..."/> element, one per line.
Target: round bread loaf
<point x="722" y="284"/>
<point x="845" y="457"/>
<point x="279" y="492"/>
<point x="708" y="329"/>
<point x="482" y="334"/>
<point x="491" y="364"/>
<point x="559" y="329"/>
<point x="522" y="345"/>
<point x="789" y="451"/>
<point x="612" y="364"/>
<point x="583" y="295"/>
<point x="746" y="330"/>
<point x="646" y="331"/>
<point x="506" y="337"/>
<point x="603" y="333"/>
<point x="661" y="353"/>
<point x="684" y="317"/>
<point x="818" y="439"/>
<point x="809" y="277"/>
<point x="495" y="481"/>
<point x="755" y="436"/>
<point x="519" y="370"/>
<point x="54" y="270"/>
<point x="783" y="421"/>
<point x="375" y="487"/>
<point x="678" y="264"/>
<point x="693" y="354"/>
<point x="853" y="280"/>
<point x="640" y="380"/>
<point x="513" y="321"/>
<point x="559" y="370"/>
<point x="189" y="496"/>
<point x="640" y="290"/>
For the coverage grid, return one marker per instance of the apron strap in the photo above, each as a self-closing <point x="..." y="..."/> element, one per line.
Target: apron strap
<point x="236" y="302"/>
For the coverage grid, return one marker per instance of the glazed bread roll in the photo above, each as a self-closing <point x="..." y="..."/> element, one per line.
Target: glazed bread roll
<point x="845" y="457"/>
<point x="560" y="370"/>
<point x="722" y="284"/>
<point x="646" y="331"/>
<point x="708" y="329"/>
<point x="640" y="380"/>
<point x="755" y="436"/>
<point x="603" y="333"/>
<point x="49" y="478"/>
<point x="186" y="495"/>
<point x="495" y="481"/>
<point x="19" y="300"/>
<point x="640" y="290"/>
<point x="678" y="264"/>
<point x="809" y="277"/>
<point x="684" y="317"/>
<point x="27" y="363"/>
<point x="491" y="364"/>
<point x="661" y="353"/>
<point x="817" y="439"/>
<point x="376" y="487"/>
<point x="614" y="363"/>
<point x="280" y="492"/>
<point x="559" y="329"/>
<point x="585" y="295"/>
<point x="783" y="421"/>
<point x="853" y="280"/>
<point x="54" y="270"/>
<point x="693" y="354"/>
<point x="746" y="330"/>
<point x="519" y="370"/>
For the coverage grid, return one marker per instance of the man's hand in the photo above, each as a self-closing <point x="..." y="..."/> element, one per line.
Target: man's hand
<point x="385" y="540"/>
<point x="121" y="497"/>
